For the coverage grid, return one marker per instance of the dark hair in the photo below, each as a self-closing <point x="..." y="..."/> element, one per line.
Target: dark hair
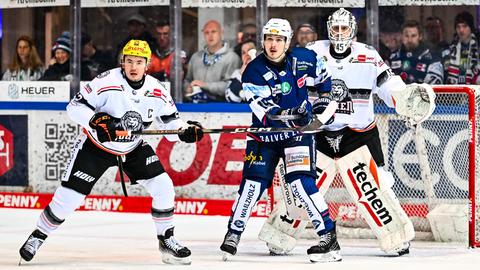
<point x="466" y="18"/>
<point x="413" y="24"/>
<point x="163" y="23"/>
<point x="306" y="25"/>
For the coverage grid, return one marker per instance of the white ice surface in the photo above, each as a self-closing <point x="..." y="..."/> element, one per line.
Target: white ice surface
<point x="103" y="240"/>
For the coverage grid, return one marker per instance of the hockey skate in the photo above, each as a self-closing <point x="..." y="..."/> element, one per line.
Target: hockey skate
<point x="404" y="249"/>
<point x="327" y="250"/>
<point x="172" y="251"/>
<point x="31" y="246"/>
<point x="229" y="245"/>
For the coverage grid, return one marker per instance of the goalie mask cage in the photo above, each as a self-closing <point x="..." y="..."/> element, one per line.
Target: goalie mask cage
<point x="435" y="166"/>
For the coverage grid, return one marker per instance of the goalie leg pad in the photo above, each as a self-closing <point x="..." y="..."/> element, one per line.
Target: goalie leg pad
<point x="280" y="231"/>
<point x="326" y="169"/>
<point x="375" y="199"/>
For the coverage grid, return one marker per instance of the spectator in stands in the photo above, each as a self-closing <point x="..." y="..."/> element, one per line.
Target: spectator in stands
<point x="435" y="36"/>
<point x="461" y="64"/>
<point x="94" y="61"/>
<point x="137" y="29"/>
<point x="234" y="91"/>
<point x="249" y="32"/>
<point x="305" y="34"/>
<point x="414" y="62"/>
<point x="26" y="64"/>
<point x="210" y="69"/>
<point x="59" y="69"/>
<point x="162" y="57"/>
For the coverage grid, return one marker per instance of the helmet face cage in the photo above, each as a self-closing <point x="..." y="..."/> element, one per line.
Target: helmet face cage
<point x="341" y="39"/>
<point x="280" y="27"/>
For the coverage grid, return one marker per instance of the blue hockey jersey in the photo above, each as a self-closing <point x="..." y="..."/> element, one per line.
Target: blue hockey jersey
<point x="267" y="85"/>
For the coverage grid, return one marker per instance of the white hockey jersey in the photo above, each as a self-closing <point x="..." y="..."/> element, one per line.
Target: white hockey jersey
<point x="109" y="92"/>
<point x="355" y="79"/>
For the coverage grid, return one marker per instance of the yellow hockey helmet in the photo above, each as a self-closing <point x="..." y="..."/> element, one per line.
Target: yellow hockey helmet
<point x="137" y="47"/>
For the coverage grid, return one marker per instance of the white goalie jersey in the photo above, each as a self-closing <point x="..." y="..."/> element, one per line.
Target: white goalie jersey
<point x="136" y="109"/>
<point x="355" y="79"/>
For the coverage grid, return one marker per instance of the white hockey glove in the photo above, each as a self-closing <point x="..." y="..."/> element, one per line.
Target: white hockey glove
<point x="415" y="101"/>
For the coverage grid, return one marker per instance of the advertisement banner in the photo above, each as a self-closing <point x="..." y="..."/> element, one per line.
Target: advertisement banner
<point x="34" y="91"/>
<point x="219" y="3"/>
<point x="317" y="3"/>
<point x="123" y="3"/>
<point x="13" y="150"/>
<point x="32" y="3"/>
<point x="427" y="2"/>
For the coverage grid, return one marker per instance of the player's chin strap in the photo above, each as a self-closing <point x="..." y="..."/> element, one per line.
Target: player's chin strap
<point x="120" y="160"/>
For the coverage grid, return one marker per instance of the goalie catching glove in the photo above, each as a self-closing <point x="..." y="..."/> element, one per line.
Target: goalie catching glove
<point x="106" y="126"/>
<point x="415" y="101"/>
<point x="191" y="134"/>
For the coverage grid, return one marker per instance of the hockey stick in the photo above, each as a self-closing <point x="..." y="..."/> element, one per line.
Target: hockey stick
<point x="313" y="127"/>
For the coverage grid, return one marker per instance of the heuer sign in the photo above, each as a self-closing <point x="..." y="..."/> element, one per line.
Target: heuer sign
<point x="35" y="91"/>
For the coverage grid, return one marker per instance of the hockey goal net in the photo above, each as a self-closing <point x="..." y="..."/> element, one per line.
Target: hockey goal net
<point x="436" y="170"/>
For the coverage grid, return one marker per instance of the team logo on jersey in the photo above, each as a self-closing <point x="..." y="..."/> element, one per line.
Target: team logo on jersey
<point x="339" y="90"/>
<point x="131" y="120"/>
<point x="406" y="65"/>
<point x="341" y="94"/>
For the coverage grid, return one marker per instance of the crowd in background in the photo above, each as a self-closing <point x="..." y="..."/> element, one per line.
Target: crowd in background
<point x="419" y="52"/>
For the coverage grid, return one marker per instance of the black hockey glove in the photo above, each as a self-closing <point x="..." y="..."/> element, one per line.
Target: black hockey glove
<point x="304" y="115"/>
<point x="193" y="133"/>
<point x="319" y="106"/>
<point x="106" y="126"/>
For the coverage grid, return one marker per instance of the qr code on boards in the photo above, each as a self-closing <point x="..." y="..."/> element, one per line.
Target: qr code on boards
<point x="59" y="139"/>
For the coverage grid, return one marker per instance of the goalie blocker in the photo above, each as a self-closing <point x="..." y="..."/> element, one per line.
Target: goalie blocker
<point x="370" y="188"/>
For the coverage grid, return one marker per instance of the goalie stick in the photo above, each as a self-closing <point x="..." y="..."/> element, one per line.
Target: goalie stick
<point x="313" y="127"/>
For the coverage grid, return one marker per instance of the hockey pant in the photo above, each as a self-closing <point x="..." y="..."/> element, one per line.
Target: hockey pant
<point x="87" y="165"/>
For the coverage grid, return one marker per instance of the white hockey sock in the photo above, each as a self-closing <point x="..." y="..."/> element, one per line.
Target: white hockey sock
<point x="64" y="202"/>
<point x="163" y="195"/>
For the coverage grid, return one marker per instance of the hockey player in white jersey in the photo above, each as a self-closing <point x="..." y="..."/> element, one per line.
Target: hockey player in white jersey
<point x="350" y="145"/>
<point x="120" y="99"/>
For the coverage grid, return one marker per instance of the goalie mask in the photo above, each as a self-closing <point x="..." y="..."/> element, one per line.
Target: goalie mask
<point x="279" y="27"/>
<point x="342" y="28"/>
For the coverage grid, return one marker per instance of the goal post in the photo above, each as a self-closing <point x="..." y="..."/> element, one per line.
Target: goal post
<point x="435" y="166"/>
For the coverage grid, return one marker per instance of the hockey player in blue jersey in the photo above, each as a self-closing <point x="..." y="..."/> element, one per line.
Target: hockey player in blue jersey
<point x="276" y="85"/>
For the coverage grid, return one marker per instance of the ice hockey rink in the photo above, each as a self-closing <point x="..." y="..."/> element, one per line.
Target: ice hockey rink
<point x="107" y="240"/>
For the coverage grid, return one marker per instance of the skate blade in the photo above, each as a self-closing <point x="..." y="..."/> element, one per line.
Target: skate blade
<point x="20" y="261"/>
<point x="170" y="259"/>
<point x="226" y="256"/>
<point x="332" y="256"/>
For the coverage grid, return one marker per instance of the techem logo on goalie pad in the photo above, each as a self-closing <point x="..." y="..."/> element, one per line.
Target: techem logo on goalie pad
<point x="366" y="189"/>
